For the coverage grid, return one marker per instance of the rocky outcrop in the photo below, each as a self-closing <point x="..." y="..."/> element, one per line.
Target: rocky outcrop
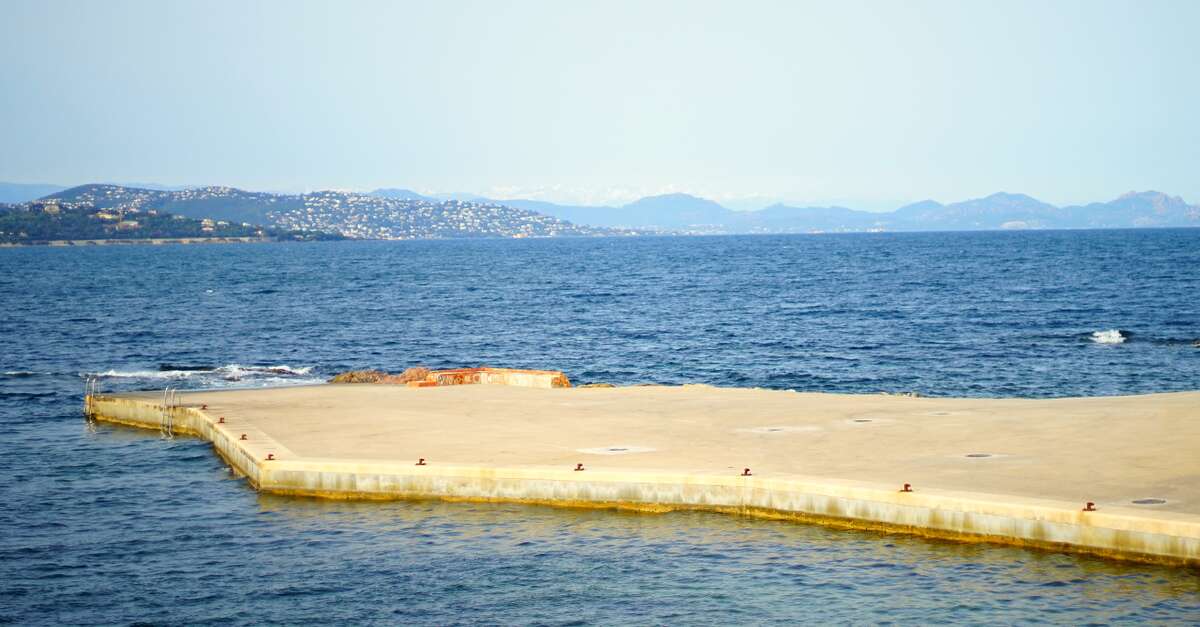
<point x="379" y="376"/>
<point x="359" y="376"/>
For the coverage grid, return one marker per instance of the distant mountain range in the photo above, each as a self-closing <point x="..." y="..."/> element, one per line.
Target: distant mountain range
<point x="399" y="194"/>
<point x="24" y="192"/>
<point x="16" y="193"/>
<point x="395" y="212"/>
<point x="690" y="214"/>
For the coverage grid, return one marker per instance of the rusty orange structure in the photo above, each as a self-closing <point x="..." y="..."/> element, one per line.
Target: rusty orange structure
<point x="494" y="376"/>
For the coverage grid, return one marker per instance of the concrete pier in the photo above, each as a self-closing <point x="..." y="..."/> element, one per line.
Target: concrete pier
<point x="1113" y="476"/>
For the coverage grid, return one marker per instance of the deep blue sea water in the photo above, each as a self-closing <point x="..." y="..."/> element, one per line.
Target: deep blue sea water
<point x="102" y="524"/>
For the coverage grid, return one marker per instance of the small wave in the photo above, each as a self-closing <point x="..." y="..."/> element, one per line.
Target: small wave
<point x="283" y="369"/>
<point x="274" y="381"/>
<point x="28" y="396"/>
<point x="1110" y="336"/>
<point x="21" y="373"/>
<point x="1176" y="341"/>
<point x="143" y="374"/>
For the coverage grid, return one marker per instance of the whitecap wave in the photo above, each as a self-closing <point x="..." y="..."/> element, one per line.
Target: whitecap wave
<point x="144" y="374"/>
<point x="217" y="376"/>
<point x="1110" y="336"/>
<point x="237" y="370"/>
<point x="264" y="382"/>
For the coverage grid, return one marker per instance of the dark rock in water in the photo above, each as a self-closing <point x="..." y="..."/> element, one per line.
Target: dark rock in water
<point x="597" y="385"/>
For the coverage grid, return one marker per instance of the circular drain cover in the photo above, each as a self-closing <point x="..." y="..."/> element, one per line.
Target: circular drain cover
<point x="617" y="450"/>
<point x="979" y="454"/>
<point x="862" y="420"/>
<point x="1149" y="501"/>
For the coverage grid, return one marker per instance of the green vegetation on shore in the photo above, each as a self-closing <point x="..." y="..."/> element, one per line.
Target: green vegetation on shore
<point x="42" y="222"/>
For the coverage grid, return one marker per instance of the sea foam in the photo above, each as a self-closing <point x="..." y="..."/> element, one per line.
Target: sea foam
<point x="218" y="376"/>
<point x="1110" y="336"/>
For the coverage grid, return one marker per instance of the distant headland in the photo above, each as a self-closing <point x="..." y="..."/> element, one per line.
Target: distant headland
<point x="111" y="212"/>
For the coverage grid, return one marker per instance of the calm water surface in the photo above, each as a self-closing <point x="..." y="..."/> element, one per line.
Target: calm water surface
<point x="112" y="525"/>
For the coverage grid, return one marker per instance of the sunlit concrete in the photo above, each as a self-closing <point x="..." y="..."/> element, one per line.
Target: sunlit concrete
<point x="1011" y="470"/>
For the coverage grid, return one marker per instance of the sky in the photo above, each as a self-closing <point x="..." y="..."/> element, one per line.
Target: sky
<point x="865" y="104"/>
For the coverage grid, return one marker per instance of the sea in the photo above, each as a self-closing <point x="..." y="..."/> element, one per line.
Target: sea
<point x="103" y="524"/>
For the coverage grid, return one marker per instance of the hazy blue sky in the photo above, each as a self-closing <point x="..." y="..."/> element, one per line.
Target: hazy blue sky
<point x="866" y="104"/>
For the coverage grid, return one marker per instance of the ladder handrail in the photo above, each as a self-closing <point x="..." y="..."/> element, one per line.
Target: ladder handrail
<point x="91" y="389"/>
<point x="166" y="424"/>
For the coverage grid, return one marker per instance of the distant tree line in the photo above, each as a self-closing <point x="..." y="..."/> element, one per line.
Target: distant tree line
<point x="41" y="222"/>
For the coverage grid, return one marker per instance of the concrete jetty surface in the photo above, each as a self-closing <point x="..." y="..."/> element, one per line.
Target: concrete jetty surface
<point x="1000" y="470"/>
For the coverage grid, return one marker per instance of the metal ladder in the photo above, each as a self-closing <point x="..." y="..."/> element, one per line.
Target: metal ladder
<point x="91" y="389"/>
<point x="166" y="424"/>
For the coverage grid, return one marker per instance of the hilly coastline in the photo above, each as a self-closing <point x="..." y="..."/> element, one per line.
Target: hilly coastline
<point x="101" y="211"/>
<point x="316" y="215"/>
<point x="75" y="223"/>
